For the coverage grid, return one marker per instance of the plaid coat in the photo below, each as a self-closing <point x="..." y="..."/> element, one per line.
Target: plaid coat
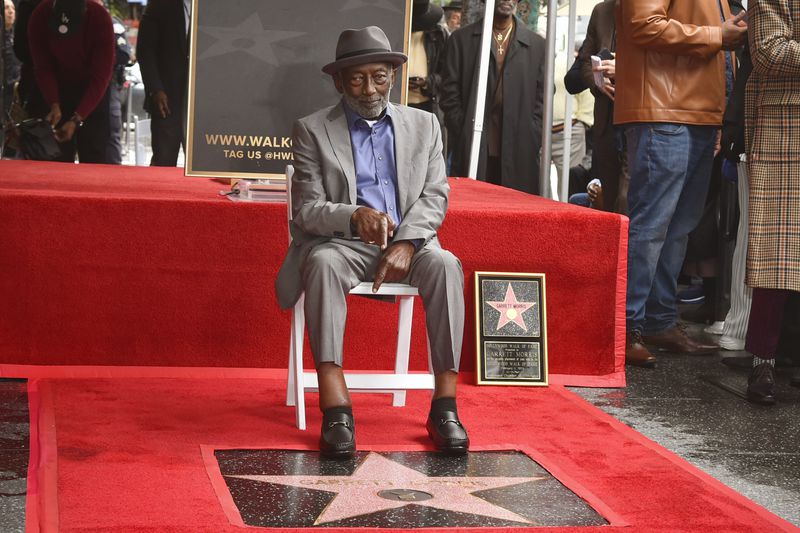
<point x="773" y="145"/>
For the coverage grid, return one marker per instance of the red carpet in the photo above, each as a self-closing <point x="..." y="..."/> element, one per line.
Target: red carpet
<point x="129" y="453"/>
<point x="134" y="266"/>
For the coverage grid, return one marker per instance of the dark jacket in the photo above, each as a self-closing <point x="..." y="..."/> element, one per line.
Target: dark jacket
<point x="523" y="93"/>
<point x="434" y="41"/>
<point x="599" y="35"/>
<point x="732" y="142"/>
<point x="163" y="51"/>
<point x="28" y="90"/>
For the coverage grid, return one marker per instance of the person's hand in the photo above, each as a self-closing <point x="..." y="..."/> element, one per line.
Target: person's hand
<point x="395" y="264"/>
<point x="373" y="227"/>
<point x="718" y="143"/>
<point x="417" y="83"/>
<point x="609" y="90"/>
<point x="162" y="103"/>
<point x="608" y="67"/>
<point x="66" y="131"/>
<point x="734" y="31"/>
<point x="54" y="116"/>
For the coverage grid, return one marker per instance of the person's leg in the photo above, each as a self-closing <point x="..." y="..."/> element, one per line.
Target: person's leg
<point x="763" y="335"/>
<point x="766" y="319"/>
<point x="329" y="272"/>
<point x="94" y="136"/>
<point x="577" y="144"/>
<point x="698" y="143"/>
<point x="167" y="137"/>
<point x="735" y="330"/>
<point x="438" y="276"/>
<point x="581" y="199"/>
<point x="658" y="158"/>
<point x="114" y="143"/>
<point x="557" y="152"/>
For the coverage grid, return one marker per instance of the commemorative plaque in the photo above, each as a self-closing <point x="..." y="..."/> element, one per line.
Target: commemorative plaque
<point x="511" y="328"/>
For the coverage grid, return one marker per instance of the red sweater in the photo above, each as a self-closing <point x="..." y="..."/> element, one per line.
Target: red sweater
<point x="82" y="61"/>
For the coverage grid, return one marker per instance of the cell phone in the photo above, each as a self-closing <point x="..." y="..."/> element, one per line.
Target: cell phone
<point x="598" y="76"/>
<point x="605" y="53"/>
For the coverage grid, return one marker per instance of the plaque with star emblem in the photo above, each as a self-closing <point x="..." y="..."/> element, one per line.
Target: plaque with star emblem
<point x="510" y="328"/>
<point x="255" y="68"/>
<point x="399" y="490"/>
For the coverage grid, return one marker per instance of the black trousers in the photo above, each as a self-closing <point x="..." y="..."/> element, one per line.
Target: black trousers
<point x="167" y="136"/>
<point x="766" y="321"/>
<point x="91" y="141"/>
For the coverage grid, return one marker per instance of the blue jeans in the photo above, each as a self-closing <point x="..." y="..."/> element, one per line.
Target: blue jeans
<point x="581" y="199"/>
<point x="670" y="169"/>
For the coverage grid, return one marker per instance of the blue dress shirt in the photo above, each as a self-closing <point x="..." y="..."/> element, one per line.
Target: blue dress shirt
<point x="375" y="162"/>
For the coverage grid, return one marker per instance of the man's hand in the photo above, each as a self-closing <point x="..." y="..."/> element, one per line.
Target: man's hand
<point x="66" y="131"/>
<point x="608" y="90"/>
<point x="395" y="264"/>
<point x="419" y="84"/>
<point x="54" y="116"/>
<point x="608" y="67"/>
<point x="373" y="227"/>
<point x="718" y="143"/>
<point x="162" y="103"/>
<point x="734" y="31"/>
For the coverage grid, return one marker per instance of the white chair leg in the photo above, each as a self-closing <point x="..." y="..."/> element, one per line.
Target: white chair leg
<point x="404" y="320"/>
<point x="290" y="379"/>
<point x="298" y="335"/>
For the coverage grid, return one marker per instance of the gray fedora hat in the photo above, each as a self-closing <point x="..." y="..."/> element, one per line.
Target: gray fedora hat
<point x="367" y="45"/>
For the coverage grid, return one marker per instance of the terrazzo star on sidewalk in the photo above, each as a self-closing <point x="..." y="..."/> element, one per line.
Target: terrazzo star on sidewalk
<point x="369" y="193"/>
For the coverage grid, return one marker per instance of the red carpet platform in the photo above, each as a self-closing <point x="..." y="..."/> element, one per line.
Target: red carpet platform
<point x="126" y="455"/>
<point x="133" y="266"/>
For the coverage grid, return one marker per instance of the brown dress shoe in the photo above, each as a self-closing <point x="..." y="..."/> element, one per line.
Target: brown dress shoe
<point x="676" y="340"/>
<point x="636" y="353"/>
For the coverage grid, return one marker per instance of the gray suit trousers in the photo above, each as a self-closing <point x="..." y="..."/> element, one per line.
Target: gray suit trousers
<point x="332" y="268"/>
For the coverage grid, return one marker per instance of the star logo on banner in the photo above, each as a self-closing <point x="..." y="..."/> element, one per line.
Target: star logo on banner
<point x="380" y="4"/>
<point x="511" y="310"/>
<point x="379" y="484"/>
<point x="249" y="37"/>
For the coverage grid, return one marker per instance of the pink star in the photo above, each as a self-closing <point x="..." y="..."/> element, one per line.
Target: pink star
<point x="358" y="494"/>
<point x="511" y="310"/>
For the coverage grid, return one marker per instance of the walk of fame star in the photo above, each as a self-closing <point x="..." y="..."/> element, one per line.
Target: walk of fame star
<point x="249" y="37"/>
<point x="511" y="310"/>
<point x="380" y="483"/>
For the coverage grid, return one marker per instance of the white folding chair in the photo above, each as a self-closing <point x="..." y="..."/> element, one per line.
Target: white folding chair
<point x="397" y="383"/>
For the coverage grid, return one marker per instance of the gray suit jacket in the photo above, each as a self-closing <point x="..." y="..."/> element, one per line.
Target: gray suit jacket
<point x="324" y="185"/>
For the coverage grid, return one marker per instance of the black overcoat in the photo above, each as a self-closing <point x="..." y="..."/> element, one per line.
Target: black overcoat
<point x="523" y="93"/>
<point x="163" y="52"/>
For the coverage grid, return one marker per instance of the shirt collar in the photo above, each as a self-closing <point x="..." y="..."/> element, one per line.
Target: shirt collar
<point x="353" y="118"/>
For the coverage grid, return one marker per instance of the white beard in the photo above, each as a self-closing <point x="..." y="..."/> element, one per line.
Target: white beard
<point x="369" y="110"/>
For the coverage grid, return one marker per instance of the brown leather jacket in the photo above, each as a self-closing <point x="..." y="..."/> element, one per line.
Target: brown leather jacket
<point x="669" y="67"/>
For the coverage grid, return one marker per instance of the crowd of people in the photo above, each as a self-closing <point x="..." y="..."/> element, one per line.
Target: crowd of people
<point x="668" y="95"/>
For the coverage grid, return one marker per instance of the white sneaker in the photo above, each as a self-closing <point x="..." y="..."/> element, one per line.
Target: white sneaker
<point x="727" y="342"/>
<point x="715" y="328"/>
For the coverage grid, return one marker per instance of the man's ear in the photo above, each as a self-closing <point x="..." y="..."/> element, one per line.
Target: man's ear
<point x="337" y="82"/>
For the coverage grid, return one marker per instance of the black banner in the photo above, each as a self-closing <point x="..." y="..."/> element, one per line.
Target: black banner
<point x="255" y="69"/>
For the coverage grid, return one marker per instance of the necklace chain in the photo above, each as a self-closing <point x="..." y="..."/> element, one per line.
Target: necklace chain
<point x="501" y="38"/>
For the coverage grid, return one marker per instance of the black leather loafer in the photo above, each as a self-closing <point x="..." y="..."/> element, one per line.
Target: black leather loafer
<point x="447" y="433"/>
<point x="338" y="437"/>
<point x="761" y="385"/>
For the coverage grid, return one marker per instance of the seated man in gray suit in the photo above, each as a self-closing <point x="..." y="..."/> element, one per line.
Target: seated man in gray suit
<point x="369" y="193"/>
